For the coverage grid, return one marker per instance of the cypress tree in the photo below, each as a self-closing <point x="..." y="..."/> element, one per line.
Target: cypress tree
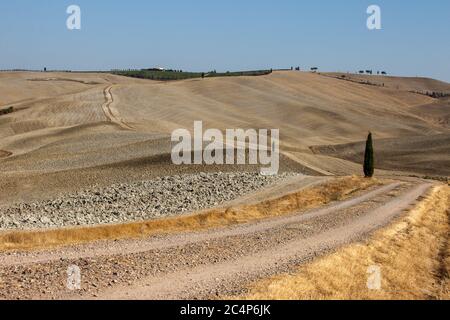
<point x="369" y="158"/>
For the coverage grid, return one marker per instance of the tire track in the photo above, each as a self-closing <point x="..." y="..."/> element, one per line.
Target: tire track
<point x="205" y="264"/>
<point x="107" y="110"/>
<point x="184" y="239"/>
<point x="228" y="277"/>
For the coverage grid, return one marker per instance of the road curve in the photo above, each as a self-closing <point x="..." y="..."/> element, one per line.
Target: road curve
<point x="203" y="280"/>
<point x="209" y="263"/>
<point x="110" y="114"/>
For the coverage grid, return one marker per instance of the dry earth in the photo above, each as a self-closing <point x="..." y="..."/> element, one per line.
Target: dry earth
<point x="72" y="132"/>
<point x="209" y="263"/>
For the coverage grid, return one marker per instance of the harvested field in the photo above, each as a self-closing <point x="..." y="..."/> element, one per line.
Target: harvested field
<point x="86" y="179"/>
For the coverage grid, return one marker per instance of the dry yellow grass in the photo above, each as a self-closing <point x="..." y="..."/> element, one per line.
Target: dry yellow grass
<point x="336" y="189"/>
<point x="413" y="255"/>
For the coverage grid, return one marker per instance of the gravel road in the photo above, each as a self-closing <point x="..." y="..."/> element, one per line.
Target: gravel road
<point x="204" y="264"/>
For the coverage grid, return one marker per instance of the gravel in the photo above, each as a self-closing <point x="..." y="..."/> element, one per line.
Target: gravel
<point x="146" y="200"/>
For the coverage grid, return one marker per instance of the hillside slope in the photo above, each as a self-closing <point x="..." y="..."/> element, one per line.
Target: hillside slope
<point x="96" y="127"/>
<point x="309" y="109"/>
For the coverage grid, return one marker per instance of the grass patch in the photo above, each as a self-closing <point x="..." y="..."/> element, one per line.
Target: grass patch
<point x="6" y="111"/>
<point x="309" y="198"/>
<point x="413" y="254"/>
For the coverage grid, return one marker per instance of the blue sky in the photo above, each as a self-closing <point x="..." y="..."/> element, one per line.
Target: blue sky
<point x="228" y="35"/>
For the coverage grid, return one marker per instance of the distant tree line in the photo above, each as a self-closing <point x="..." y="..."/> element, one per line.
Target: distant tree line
<point x="371" y="72"/>
<point x="433" y="94"/>
<point x="169" y="75"/>
<point x="359" y="81"/>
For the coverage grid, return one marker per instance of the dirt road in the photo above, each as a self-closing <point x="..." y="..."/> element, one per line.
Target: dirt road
<point x="110" y="113"/>
<point x="204" y="264"/>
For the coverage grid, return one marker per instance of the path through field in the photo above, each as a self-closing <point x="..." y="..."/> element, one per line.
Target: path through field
<point x="205" y="264"/>
<point x="72" y="132"/>
<point x="111" y="114"/>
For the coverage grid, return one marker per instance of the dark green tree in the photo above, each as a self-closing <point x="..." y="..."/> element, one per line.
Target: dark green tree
<point x="369" y="164"/>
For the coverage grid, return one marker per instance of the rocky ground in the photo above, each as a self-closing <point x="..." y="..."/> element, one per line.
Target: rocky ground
<point x="161" y="197"/>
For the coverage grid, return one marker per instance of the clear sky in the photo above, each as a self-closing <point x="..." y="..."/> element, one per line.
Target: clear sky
<point x="202" y="35"/>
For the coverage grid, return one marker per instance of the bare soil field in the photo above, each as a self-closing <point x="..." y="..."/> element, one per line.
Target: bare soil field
<point x="86" y="178"/>
<point x="422" y="154"/>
